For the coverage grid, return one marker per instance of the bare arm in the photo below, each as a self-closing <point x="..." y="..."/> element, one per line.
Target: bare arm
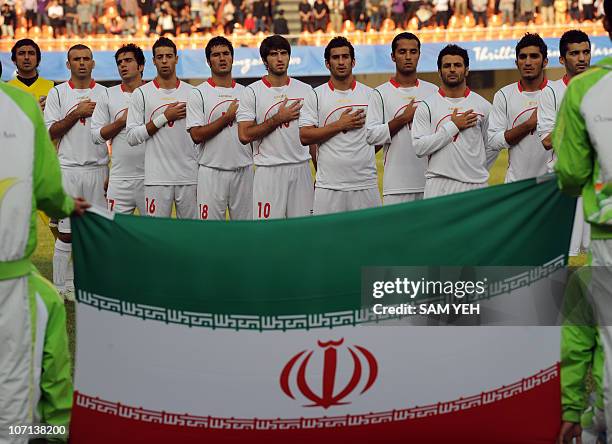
<point x="200" y="134"/>
<point x="405" y="118"/>
<point x="61" y="127"/>
<point x="519" y="132"/>
<point x="111" y="130"/>
<point x="248" y="131"/>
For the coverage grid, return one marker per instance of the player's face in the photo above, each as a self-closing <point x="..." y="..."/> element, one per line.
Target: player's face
<point x="530" y="63"/>
<point x="453" y="71"/>
<point x="340" y="63"/>
<point x="577" y="58"/>
<point x="81" y="63"/>
<point x="26" y="60"/>
<point x="165" y="62"/>
<point x="128" y="66"/>
<point x="221" y="60"/>
<point x="406" y="56"/>
<point x="278" y="61"/>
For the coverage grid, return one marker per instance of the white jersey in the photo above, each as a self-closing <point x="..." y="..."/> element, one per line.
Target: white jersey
<point x="207" y="103"/>
<point x="260" y="101"/>
<point x="513" y="106"/>
<point x="170" y="155"/>
<point x="75" y="148"/>
<point x="550" y="101"/>
<point x="346" y="161"/>
<point x="404" y="172"/>
<point x="127" y="161"/>
<point x="453" y="154"/>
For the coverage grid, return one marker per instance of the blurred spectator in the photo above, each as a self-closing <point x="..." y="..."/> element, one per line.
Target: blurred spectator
<point x="442" y="12"/>
<point x="527" y="9"/>
<point x="152" y="23"/>
<point x="374" y="12"/>
<point x="185" y="22"/>
<point x="8" y="18"/>
<point x="548" y="11"/>
<point x="260" y="14"/>
<point x="239" y="13"/>
<point x="228" y="17"/>
<point x="207" y="16"/>
<point x="397" y="13"/>
<point x="560" y="11"/>
<point x="115" y="27"/>
<point x="479" y="9"/>
<point x="129" y="8"/>
<point x="71" y="18"/>
<point x="574" y="10"/>
<point x="587" y="9"/>
<point x="165" y="23"/>
<point x="321" y="15"/>
<point x="506" y="8"/>
<point x="98" y="6"/>
<point x="55" y="12"/>
<point x="85" y="16"/>
<point x="336" y="14"/>
<point x="146" y="7"/>
<point x="361" y="23"/>
<point x="424" y="15"/>
<point x="461" y="7"/>
<point x="280" y="25"/>
<point x="129" y="25"/>
<point x="249" y="23"/>
<point x="410" y="9"/>
<point x="196" y="8"/>
<point x="355" y="9"/>
<point x="41" y="13"/>
<point x="30" y="7"/>
<point x="305" y="11"/>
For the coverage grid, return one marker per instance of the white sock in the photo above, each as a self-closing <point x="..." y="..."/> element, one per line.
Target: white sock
<point x="70" y="275"/>
<point x="61" y="257"/>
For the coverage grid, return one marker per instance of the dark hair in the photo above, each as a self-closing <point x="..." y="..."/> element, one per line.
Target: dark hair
<point x="404" y="36"/>
<point x="130" y="47"/>
<point x="532" y="40"/>
<point x="163" y="42"/>
<point x="455" y="51"/>
<point x="572" y="36"/>
<point x="608" y="11"/>
<point x="274" y="42"/>
<point x="218" y="41"/>
<point x="338" y="42"/>
<point x="25" y="42"/>
<point x="76" y="47"/>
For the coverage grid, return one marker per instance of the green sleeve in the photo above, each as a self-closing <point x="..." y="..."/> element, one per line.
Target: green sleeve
<point x="578" y="345"/>
<point x="56" y="391"/>
<point x="47" y="179"/>
<point x="571" y="143"/>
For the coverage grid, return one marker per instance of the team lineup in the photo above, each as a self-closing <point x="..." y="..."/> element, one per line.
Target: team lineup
<point x="195" y="147"/>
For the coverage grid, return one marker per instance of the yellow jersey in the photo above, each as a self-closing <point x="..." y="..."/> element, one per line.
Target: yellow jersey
<point x="39" y="88"/>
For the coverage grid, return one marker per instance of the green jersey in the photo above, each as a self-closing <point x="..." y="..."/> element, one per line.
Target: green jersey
<point x="583" y="145"/>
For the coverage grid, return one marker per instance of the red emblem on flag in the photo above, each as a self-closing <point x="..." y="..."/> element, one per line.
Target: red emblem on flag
<point x="365" y="368"/>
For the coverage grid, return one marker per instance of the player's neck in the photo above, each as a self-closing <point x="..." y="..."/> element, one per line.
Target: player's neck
<point x="277" y="81"/>
<point x="27" y="75"/>
<point x="168" y="83"/>
<point x="225" y="81"/>
<point x="130" y="85"/>
<point x="532" y="84"/>
<point x="80" y="83"/>
<point x="406" y="80"/>
<point x="454" y="92"/>
<point x="568" y="76"/>
<point x="343" y="84"/>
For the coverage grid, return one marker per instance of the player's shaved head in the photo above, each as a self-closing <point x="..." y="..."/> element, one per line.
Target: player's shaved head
<point x="79" y="47"/>
<point x="404" y="36"/>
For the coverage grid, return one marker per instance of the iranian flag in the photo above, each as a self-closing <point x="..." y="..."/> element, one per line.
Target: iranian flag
<point x="254" y="332"/>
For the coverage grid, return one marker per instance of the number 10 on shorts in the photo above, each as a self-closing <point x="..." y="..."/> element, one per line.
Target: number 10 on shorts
<point x="263" y="210"/>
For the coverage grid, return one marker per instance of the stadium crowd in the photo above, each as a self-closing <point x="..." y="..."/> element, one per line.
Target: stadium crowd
<point x="173" y="17"/>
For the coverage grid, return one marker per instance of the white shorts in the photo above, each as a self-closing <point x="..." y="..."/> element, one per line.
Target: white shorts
<point x="336" y="201"/>
<point x="219" y="190"/>
<point x="125" y="195"/>
<point x="159" y="199"/>
<point x="282" y="191"/>
<point x="581" y="233"/>
<point x="392" y="199"/>
<point x="86" y="183"/>
<point x="442" y="186"/>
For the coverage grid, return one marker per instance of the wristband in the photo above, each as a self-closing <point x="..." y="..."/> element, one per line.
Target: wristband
<point x="160" y="121"/>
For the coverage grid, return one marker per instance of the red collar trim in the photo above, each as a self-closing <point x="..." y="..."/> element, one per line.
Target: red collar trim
<point x="91" y="84"/>
<point x="541" y="87"/>
<point x="397" y="85"/>
<point x="266" y="82"/>
<point x="156" y="83"/>
<point x="465" y="93"/>
<point x="566" y="79"/>
<point x="212" y="83"/>
<point x="331" y="85"/>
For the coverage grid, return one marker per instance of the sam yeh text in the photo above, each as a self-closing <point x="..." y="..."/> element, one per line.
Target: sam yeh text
<point x="426" y="309"/>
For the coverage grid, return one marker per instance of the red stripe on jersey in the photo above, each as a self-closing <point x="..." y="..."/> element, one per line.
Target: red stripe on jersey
<point x="288" y="100"/>
<point x="523" y="112"/>
<point x="266" y="82"/>
<point x="92" y="83"/>
<point x="465" y="93"/>
<point x="397" y="85"/>
<point x="217" y="106"/>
